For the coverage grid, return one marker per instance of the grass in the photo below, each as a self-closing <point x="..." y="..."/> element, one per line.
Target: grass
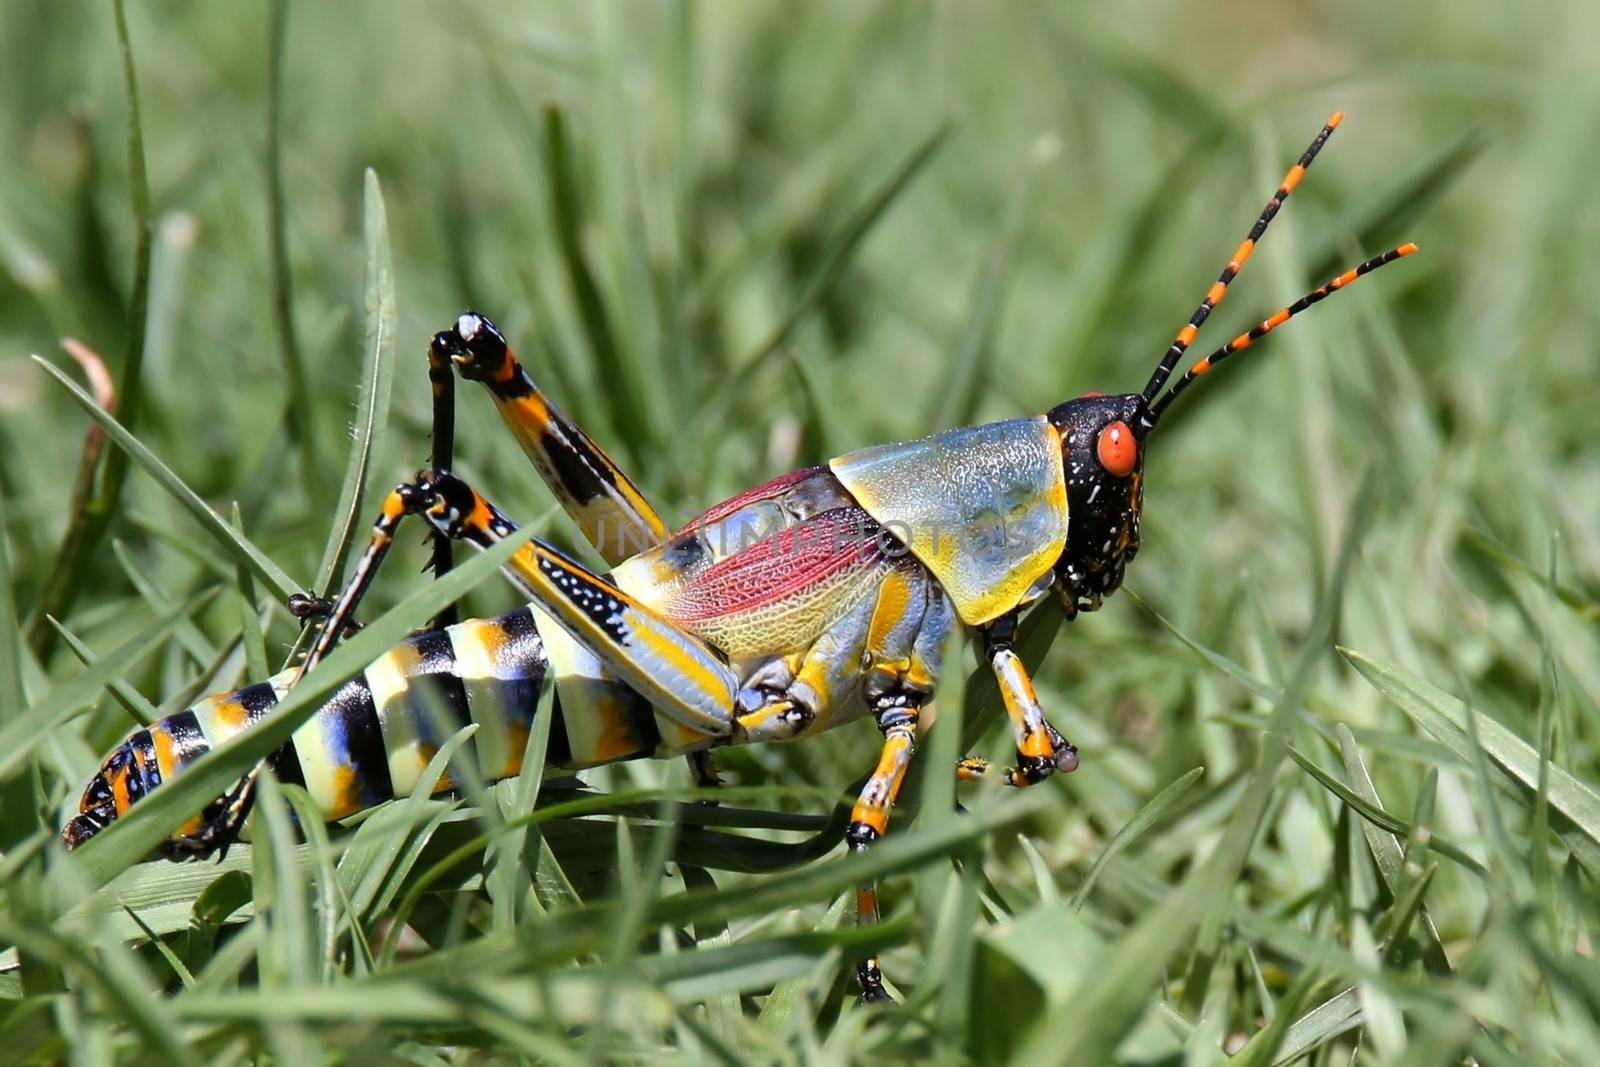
<point x="1341" y="737"/>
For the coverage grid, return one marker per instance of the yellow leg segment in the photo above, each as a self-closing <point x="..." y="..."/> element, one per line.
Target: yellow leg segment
<point x="1041" y="750"/>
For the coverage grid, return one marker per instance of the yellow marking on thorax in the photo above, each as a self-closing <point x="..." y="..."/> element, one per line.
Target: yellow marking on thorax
<point x="894" y="599"/>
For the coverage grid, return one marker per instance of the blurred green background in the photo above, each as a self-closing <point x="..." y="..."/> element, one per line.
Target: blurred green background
<point x="736" y="239"/>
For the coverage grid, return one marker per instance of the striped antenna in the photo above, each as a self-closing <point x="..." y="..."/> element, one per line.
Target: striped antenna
<point x="1245" y="340"/>
<point x="1241" y="256"/>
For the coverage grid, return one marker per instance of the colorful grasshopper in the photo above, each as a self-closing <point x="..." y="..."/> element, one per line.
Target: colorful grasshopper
<point x="822" y="596"/>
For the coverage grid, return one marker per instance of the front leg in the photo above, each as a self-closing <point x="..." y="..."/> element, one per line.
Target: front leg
<point x="977" y="769"/>
<point x="1041" y="749"/>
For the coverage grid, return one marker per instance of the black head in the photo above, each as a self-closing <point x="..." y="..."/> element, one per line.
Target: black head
<point x="1103" y="437"/>
<point x="1102" y="456"/>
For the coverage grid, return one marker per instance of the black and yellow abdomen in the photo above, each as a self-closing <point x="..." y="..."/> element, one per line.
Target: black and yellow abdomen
<point x="371" y="741"/>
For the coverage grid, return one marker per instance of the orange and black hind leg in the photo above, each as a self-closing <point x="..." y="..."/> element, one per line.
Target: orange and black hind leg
<point x="912" y="638"/>
<point x="603" y="501"/>
<point x="607" y="506"/>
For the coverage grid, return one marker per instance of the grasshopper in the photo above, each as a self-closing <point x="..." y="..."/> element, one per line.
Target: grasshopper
<point x="822" y="596"/>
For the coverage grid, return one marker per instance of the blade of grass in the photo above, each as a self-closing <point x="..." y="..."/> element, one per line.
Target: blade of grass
<point x="376" y="383"/>
<point x="588" y="927"/>
<point x="12" y="691"/>
<point x="1396" y="925"/>
<point x="116" y="973"/>
<point x="787" y="996"/>
<point x="1386" y="852"/>
<point x="749" y="966"/>
<point x="1337" y="1015"/>
<point x="23" y="732"/>
<point x="255" y="646"/>
<point x="165" y="950"/>
<point x="188" y="634"/>
<point x="380" y="844"/>
<point x="956" y="402"/>
<point x="1379" y="817"/>
<point x="330" y="895"/>
<point x="299" y="414"/>
<point x="283" y="961"/>
<point x="566" y="212"/>
<point x="1445" y="717"/>
<point x="508" y="877"/>
<point x="830" y="268"/>
<point x="1377" y="218"/>
<point x="1265" y="1046"/>
<point x="1142" y="820"/>
<point x="86" y="528"/>
<point x="1583" y="604"/>
<point x="133" y="702"/>
<point x="236" y="544"/>
<point x="1193" y="915"/>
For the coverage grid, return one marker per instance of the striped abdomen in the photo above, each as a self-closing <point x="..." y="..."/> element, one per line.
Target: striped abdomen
<point x="374" y="737"/>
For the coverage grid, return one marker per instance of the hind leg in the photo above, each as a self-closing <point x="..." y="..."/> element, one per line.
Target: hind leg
<point x="606" y="505"/>
<point x="602" y="500"/>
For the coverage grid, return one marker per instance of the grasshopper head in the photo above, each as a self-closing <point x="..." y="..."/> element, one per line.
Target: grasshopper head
<point x="1102" y="437"/>
<point x="1102" y="456"/>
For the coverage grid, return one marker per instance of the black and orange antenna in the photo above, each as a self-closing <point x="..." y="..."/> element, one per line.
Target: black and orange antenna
<point x="1267" y="325"/>
<point x="1241" y="256"/>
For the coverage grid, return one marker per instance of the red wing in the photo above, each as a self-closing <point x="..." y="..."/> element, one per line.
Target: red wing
<point x="817" y="552"/>
<point x="777" y="596"/>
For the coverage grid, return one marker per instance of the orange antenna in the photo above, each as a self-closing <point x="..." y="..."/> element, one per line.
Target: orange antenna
<point x="1245" y="340"/>
<point x="1241" y="256"/>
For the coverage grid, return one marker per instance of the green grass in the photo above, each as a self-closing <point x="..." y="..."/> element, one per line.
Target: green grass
<point x="1341" y="738"/>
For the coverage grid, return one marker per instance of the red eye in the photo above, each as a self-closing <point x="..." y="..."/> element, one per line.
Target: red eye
<point x="1118" y="450"/>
